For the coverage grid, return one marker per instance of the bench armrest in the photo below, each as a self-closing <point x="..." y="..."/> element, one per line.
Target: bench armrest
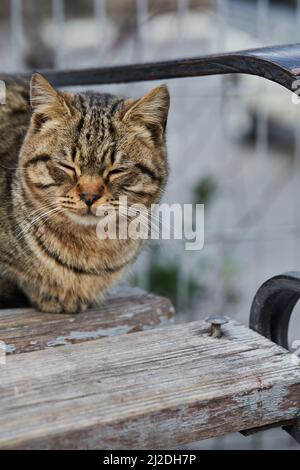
<point x="273" y="305"/>
<point x="280" y="64"/>
<point x="270" y="315"/>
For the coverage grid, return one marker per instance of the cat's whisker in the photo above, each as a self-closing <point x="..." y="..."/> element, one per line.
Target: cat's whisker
<point x="37" y="213"/>
<point x="46" y="219"/>
<point x="33" y="222"/>
<point x="27" y="249"/>
<point x="147" y="214"/>
<point x="34" y="212"/>
<point x="145" y="222"/>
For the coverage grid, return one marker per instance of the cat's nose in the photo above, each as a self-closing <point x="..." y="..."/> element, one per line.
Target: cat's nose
<point x="89" y="198"/>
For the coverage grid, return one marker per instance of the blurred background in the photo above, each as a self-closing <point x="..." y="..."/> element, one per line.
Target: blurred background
<point x="234" y="141"/>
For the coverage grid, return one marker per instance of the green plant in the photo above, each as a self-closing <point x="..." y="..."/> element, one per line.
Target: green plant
<point x="205" y="190"/>
<point x="164" y="276"/>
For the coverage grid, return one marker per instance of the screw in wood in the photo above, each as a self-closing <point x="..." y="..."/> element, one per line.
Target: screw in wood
<point x="216" y="322"/>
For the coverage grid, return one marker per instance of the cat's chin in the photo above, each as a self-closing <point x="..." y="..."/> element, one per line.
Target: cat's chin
<point x="88" y="219"/>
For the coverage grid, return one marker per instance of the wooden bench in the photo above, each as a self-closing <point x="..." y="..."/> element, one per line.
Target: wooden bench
<point x="125" y="310"/>
<point x="81" y="382"/>
<point x="63" y="387"/>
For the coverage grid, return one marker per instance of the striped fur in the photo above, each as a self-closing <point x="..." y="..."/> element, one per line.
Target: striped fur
<point x="60" y="162"/>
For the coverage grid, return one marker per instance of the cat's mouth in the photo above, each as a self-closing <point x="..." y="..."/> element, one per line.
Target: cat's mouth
<point x="87" y="218"/>
<point x="87" y="212"/>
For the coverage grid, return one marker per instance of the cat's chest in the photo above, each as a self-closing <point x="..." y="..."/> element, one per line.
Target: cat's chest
<point x="70" y="263"/>
<point x="67" y="268"/>
<point x="67" y="277"/>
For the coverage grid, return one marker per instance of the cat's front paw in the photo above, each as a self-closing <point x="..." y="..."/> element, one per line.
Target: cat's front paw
<point x="70" y="306"/>
<point x="75" y="307"/>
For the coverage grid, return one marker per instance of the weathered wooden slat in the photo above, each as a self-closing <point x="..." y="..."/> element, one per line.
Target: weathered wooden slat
<point x="153" y="389"/>
<point x="125" y="310"/>
<point x="280" y="64"/>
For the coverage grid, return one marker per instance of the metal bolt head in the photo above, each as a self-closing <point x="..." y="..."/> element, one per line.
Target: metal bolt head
<point x="217" y="319"/>
<point x="216" y="322"/>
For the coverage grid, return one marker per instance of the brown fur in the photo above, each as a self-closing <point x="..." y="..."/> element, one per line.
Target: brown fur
<point x="71" y="155"/>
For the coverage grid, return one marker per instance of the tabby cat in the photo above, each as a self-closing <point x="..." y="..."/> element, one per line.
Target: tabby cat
<point x="60" y="159"/>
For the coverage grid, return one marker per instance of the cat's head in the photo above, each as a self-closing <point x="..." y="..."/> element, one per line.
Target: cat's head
<point x="87" y="150"/>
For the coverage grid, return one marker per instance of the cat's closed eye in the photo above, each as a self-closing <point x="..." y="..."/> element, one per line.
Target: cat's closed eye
<point x="67" y="167"/>
<point x="69" y="170"/>
<point x="62" y="172"/>
<point x="116" y="173"/>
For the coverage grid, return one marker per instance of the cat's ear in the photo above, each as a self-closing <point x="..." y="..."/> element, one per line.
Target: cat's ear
<point x="151" y="110"/>
<point x="47" y="101"/>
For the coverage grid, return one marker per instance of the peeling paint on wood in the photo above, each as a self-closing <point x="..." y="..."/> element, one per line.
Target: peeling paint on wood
<point x="152" y="389"/>
<point x="9" y="348"/>
<point x="125" y="310"/>
<point x="86" y="335"/>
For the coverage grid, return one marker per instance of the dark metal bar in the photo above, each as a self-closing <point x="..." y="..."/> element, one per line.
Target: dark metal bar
<point x="273" y="305"/>
<point x="279" y="64"/>
<point x="283" y="424"/>
<point x="270" y="315"/>
<point x="294" y="430"/>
